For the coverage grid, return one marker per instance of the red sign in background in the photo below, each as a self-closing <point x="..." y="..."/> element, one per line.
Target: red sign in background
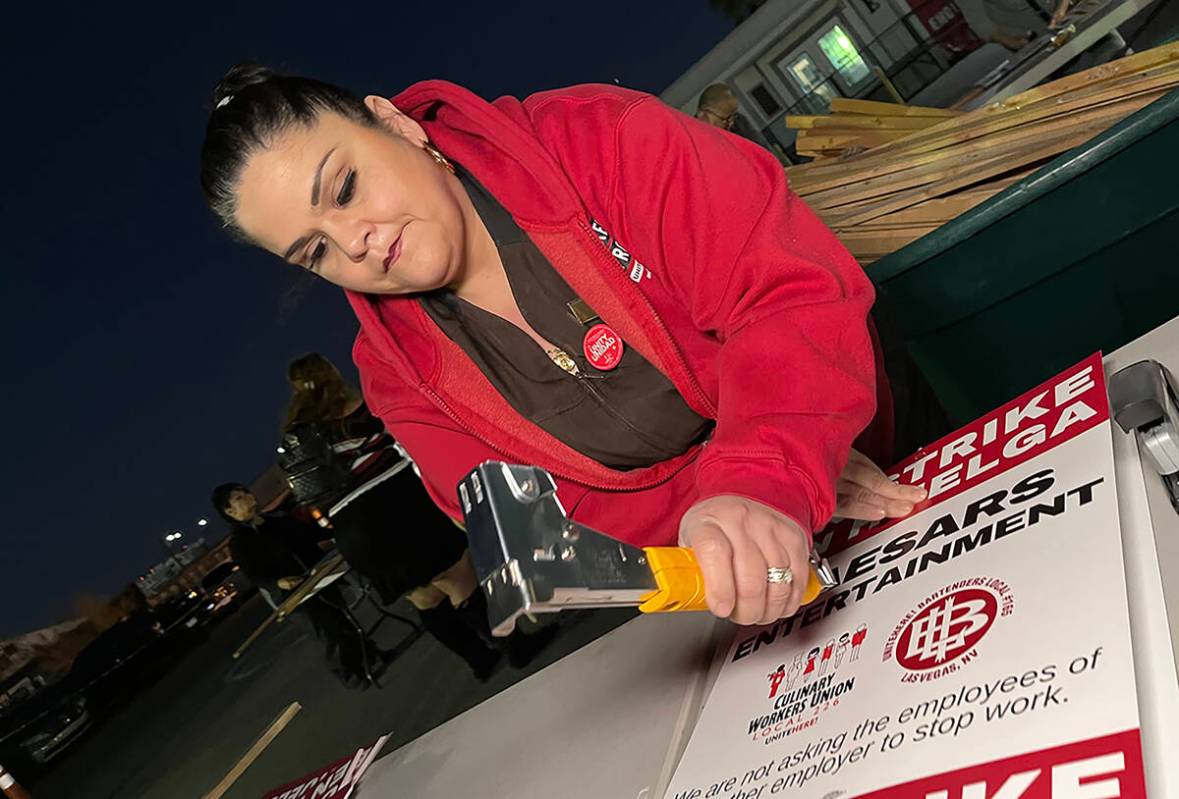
<point x="1109" y="767"/>
<point x="333" y="781"/>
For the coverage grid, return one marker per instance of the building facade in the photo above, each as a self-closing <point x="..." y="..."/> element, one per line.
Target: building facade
<point x="793" y="57"/>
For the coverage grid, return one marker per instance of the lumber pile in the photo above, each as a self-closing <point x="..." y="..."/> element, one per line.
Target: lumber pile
<point x="860" y="124"/>
<point x="881" y="199"/>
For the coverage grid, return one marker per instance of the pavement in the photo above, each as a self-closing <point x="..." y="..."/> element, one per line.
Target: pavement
<point x="181" y="735"/>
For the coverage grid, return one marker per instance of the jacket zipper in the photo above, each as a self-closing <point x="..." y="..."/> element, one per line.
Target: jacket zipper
<point x="705" y="402"/>
<point x="568" y="364"/>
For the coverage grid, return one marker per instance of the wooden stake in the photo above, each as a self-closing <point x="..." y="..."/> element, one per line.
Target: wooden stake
<point x="10" y="787"/>
<point x="1116" y="75"/>
<point x="875" y="164"/>
<point x="956" y="178"/>
<point x="934" y="169"/>
<point x="846" y="105"/>
<point x="252" y="754"/>
<point x="857" y="122"/>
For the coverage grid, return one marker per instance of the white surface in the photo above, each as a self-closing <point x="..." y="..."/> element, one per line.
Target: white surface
<point x="1150" y="530"/>
<point x="605" y="722"/>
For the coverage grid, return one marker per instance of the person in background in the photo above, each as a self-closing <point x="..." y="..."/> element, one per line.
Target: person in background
<point x="1012" y="23"/>
<point x="276" y="552"/>
<point x="718" y="106"/>
<point x="387" y="527"/>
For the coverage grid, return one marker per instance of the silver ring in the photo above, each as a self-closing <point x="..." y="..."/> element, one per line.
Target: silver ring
<point x="776" y="575"/>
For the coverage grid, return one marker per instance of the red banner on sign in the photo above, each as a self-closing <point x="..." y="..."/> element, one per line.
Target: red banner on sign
<point x="334" y="781"/>
<point x="1108" y="767"/>
<point x="1045" y="417"/>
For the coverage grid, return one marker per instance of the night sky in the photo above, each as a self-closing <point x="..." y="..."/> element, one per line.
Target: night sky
<point x="145" y="353"/>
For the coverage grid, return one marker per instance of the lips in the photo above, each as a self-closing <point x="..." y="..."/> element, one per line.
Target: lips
<point x="394" y="253"/>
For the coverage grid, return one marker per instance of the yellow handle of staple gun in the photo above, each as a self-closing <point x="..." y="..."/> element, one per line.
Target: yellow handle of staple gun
<point x="681" y="584"/>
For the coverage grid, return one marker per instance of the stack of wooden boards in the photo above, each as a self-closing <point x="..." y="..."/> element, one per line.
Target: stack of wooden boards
<point x="858" y="124"/>
<point x="879" y="200"/>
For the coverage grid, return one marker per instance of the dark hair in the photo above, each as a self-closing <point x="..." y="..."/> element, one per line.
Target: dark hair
<point x="251" y="106"/>
<point x="220" y="499"/>
<point x="320" y="393"/>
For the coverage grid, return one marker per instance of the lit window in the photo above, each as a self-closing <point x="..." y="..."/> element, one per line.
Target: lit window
<point x="841" y="51"/>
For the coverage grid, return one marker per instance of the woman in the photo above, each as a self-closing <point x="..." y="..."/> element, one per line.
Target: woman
<point x="589" y="282"/>
<point x="383" y="521"/>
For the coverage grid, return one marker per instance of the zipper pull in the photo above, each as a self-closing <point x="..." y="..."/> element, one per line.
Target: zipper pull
<point x="564" y="361"/>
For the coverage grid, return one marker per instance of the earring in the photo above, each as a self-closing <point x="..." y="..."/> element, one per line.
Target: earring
<point x="438" y="157"/>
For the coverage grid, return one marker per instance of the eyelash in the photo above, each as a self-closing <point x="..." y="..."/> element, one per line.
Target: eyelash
<point x="347" y="188"/>
<point x="317" y="253"/>
<point x="345" y="195"/>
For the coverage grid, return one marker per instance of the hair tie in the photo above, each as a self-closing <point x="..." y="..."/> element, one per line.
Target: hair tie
<point x="223" y="101"/>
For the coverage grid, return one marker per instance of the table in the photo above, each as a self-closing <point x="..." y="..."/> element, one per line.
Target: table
<point x="611" y="720"/>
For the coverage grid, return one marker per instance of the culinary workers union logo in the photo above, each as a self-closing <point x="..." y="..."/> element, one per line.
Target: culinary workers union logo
<point x="942" y="633"/>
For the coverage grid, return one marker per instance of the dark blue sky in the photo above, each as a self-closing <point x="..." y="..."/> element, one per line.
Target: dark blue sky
<point x="145" y="353"/>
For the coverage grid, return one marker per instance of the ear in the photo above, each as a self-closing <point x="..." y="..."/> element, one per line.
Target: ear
<point x="394" y="121"/>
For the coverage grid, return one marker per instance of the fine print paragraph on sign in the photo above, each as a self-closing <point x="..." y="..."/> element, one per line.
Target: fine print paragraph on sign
<point x="978" y="649"/>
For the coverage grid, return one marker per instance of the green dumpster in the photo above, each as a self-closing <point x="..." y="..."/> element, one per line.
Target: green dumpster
<point x="1077" y="257"/>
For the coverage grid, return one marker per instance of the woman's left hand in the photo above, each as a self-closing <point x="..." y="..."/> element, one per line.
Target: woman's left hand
<point x="864" y="492"/>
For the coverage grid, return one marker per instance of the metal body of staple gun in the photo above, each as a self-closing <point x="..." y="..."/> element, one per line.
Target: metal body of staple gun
<point x="531" y="558"/>
<point x="1142" y="398"/>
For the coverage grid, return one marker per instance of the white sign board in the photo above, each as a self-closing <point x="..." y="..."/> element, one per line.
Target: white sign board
<point x="978" y="649"/>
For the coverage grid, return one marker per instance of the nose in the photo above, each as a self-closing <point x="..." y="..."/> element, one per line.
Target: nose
<point x="352" y="236"/>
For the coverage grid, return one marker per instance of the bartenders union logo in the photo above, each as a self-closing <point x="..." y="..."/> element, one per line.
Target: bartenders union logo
<point x="941" y="634"/>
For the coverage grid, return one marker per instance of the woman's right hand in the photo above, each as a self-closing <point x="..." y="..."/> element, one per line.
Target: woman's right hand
<point x="736" y="541"/>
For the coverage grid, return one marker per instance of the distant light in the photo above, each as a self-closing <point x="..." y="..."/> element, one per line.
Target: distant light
<point x="281" y="451"/>
<point x="202" y="522"/>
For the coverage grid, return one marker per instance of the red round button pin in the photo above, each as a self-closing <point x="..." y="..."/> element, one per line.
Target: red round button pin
<point x="602" y="347"/>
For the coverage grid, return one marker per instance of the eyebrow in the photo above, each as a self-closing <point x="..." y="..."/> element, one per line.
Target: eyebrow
<point x="318" y="175"/>
<point x="299" y="242"/>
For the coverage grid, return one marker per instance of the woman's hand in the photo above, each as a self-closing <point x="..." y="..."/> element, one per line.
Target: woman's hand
<point x="736" y="542"/>
<point x="864" y="492"/>
<point x="288" y="583"/>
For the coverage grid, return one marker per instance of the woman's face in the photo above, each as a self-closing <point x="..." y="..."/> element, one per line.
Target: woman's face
<point x="365" y="208"/>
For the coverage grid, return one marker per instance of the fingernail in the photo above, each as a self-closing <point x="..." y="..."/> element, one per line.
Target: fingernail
<point x="904" y="510"/>
<point x="878" y="513"/>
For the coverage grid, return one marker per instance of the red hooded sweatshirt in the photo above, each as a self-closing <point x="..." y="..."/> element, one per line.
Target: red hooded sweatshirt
<point x="732" y="288"/>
